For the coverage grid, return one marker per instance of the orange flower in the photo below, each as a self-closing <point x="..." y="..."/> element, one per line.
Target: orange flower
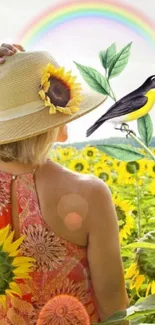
<point x="63" y="310"/>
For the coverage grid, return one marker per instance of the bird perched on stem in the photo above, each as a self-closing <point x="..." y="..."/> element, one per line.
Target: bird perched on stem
<point x="129" y="108"/>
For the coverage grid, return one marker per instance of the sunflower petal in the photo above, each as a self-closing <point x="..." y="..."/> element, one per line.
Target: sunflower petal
<point x="46" y="87"/>
<point x="14" y="254"/>
<point x="4" y="233"/>
<point x="3" y="300"/>
<point x="12" y="247"/>
<point x="71" y="80"/>
<point x="148" y="289"/>
<point x="21" y="276"/>
<point x="52" y="109"/>
<point x="8" y="241"/>
<point x="131" y="271"/>
<point x="15" y="289"/>
<point x="47" y="102"/>
<point x="22" y="269"/>
<point x="139" y="281"/>
<point x="42" y="94"/>
<point x="153" y="288"/>
<point x="22" y="260"/>
<point x="65" y="110"/>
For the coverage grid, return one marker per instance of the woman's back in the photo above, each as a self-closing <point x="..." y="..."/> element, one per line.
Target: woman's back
<point x="41" y="206"/>
<point x="69" y="220"/>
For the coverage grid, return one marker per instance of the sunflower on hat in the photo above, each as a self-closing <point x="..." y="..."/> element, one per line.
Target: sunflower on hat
<point x="59" y="91"/>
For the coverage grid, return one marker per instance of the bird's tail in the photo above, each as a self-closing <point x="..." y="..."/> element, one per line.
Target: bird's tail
<point x="94" y="127"/>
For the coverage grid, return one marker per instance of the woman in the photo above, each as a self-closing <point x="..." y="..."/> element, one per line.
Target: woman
<point x="68" y="220"/>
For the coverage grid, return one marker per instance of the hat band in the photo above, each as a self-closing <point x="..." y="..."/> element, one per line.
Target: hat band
<point x="16" y="112"/>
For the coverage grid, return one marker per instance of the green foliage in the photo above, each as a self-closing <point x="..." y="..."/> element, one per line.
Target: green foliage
<point x="119" y="61"/>
<point x="141" y="245"/>
<point x="107" y="56"/>
<point x="94" y="79"/>
<point x="114" y="63"/>
<point x="145" y="129"/>
<point x="143" y="307"/>
<point x="121" y="152"/>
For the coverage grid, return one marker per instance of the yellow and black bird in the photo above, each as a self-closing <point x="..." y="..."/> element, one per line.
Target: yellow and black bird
<point x="129" y="108"/>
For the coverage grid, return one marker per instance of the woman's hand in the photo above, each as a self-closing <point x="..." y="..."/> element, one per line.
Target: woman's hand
<point x="7" y="50"/>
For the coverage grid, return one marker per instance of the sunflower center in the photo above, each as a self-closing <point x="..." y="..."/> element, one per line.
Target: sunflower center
<point x="90" y="153"/>
<point x="132" y="167"/>
<point x="145" y="257"/>
<point x="79" y="167"/>
<point x="104" y="176"/>
<point x="121" y="216"/>
<point x="59" y="92"/>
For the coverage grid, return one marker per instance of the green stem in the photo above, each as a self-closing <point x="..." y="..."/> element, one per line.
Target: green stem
<point x="112" y="95"/>
<point x="138" y="208"/>
<point x="133" y="136"/>
<point x="112" y="92"/>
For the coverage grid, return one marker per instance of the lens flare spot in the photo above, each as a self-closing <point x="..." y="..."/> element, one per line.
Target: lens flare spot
<point x="73" y="221"/>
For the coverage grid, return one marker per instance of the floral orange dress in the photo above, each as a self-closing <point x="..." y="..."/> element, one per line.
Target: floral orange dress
<point x="61" y="267"/>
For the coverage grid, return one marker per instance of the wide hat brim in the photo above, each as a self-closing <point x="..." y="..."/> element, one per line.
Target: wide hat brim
<point x="40" y="122"/>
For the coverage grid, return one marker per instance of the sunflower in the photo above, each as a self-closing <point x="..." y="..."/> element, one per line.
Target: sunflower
<point x="12" y="266"/>
<point x="59" y="91"/>
<point x="79" y="165"/>
<point x="131" y="172"/>
<point x="108" y="161"/>
<point x="142" y="270"/>
<point x="98" y="167"/>
<point x="90" y="152"/>
<point x="63" y="309"/>
<point x="124" y="213"/>
<point x="103" y="172"/>
<point x="67" y="153"/>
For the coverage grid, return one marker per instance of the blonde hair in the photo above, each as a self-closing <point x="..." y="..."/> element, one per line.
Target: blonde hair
<point x="33" y="150"/>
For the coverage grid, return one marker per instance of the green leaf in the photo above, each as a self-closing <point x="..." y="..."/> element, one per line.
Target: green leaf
<point x="146" y="303"/>
<point x="94" y="79"/>
<point x="140" y="245"/>
<point x="142" y="308"/>
<point x="116" y="318"/>
<point x="119" y="61"/>
<point x="107" y="56"/>
<point x="145" y="128"/>
<point x="123" y="152"/>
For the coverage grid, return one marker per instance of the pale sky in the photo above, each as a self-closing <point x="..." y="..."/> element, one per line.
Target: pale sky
<point x="81" y="40"/>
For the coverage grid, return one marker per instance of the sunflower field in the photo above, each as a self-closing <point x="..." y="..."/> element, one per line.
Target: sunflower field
<point x="132" y="186"/>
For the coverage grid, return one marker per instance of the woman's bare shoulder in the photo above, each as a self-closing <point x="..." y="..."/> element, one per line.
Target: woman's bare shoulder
<point x="62" y="192"/>
<point x="89" y="186"/>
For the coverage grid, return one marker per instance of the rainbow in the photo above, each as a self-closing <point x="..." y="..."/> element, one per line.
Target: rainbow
<point x="122" y="15"/>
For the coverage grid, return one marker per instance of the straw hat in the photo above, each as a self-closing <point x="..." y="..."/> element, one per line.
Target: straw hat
<point x="37" y="95"/>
